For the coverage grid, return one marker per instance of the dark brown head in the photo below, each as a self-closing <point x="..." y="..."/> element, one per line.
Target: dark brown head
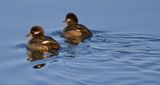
<point x="71" y="19"/>
<point x="36" y="31"/>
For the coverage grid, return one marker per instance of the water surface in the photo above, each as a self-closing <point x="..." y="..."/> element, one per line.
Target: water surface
<point x="108" y="58"/>
<point x="123" y="51"/>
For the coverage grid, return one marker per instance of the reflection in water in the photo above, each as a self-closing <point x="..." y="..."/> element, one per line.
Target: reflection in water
<point x="37" y="55"/>
<point x="39" y="66"/>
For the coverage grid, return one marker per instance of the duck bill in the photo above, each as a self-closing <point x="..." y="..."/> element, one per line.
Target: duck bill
<point x="28" y="35"/>
<point x="64" y="21"/>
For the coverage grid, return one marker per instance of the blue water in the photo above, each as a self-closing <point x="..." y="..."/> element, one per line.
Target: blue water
<point x="125" y="48"/>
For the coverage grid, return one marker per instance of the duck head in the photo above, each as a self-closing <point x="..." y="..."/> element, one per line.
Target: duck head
<point x="36" y="31"/>
<point x="71" y="19"/>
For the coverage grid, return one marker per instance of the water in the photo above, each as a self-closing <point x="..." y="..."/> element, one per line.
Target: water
<point x="123" y="51"/>
<point x="108" y="58"/>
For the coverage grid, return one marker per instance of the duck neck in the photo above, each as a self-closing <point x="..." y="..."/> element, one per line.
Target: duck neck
<point x="72" y="26"/>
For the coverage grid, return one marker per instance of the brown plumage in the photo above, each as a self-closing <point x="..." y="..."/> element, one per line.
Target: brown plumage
<point x="40" y="44"/>
<point x="75" y="33"/>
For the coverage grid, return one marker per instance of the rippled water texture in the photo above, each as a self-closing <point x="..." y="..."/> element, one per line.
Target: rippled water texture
<point x="107" y="59"/>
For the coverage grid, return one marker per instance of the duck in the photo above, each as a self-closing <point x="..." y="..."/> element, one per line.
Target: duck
<point x="74" y="32"/>
<point x="39" y="44"/>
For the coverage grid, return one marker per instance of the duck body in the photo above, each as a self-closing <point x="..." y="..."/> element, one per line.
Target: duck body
<point x="43" y="44"/>
<point x="75" y="34"/>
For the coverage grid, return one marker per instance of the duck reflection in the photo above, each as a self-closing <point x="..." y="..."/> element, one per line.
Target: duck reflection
<point x="38" y="66"/>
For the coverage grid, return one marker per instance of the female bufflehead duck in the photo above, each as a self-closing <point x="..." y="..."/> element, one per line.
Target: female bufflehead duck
<point x="39" y="44"/>
<point x="75" y="33"/>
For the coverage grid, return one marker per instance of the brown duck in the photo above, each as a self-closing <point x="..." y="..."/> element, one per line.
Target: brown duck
<point x="40" y="44"/>
<point x="75" y="33"/>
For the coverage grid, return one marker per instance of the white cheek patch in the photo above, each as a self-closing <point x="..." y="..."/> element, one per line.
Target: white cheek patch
<point x="36" y="32"/>
<point x="45" y="42"/>
<point x="78" y="30"/>
<point x="68" y="20"/>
